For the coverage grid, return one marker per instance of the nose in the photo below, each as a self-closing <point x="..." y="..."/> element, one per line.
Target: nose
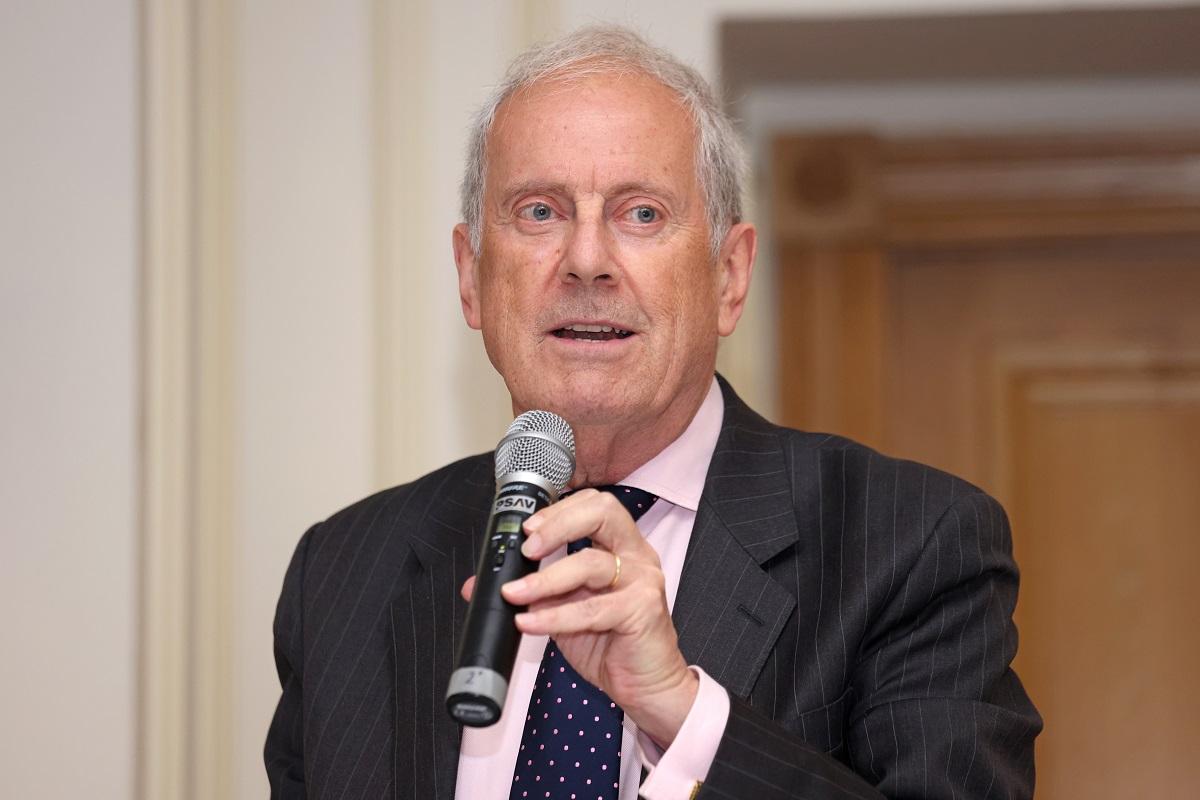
<point x="588" y="256"/>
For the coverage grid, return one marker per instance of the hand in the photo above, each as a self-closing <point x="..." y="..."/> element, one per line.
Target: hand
<point x="618" y="636"/>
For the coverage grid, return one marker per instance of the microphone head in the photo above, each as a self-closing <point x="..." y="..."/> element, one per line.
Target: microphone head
<point x="539" y="442"/>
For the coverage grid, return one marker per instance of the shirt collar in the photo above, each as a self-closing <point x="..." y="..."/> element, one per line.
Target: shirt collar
<point x="677" y="473"/>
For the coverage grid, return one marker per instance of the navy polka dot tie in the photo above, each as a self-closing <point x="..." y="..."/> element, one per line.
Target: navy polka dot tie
<point x="571" y="747"/>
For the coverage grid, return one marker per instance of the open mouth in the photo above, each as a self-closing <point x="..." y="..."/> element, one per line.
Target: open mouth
<point x="592" y="333"/>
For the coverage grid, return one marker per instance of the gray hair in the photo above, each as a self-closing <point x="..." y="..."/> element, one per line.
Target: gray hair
<point x="613" y="50"/>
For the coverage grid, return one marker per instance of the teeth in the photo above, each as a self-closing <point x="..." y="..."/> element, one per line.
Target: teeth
<point x="594" y="329"/>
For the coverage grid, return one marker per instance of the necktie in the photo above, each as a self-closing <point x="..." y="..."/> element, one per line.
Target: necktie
<point x="571" y="747"/>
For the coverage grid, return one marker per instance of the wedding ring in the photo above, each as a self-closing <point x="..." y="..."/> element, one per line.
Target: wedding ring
<point x="616" y="572"/>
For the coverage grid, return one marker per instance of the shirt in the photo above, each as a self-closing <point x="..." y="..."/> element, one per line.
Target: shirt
<point x="676" y="476"/>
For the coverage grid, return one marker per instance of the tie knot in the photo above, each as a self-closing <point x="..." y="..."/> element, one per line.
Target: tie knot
<point x="636" y="502"/>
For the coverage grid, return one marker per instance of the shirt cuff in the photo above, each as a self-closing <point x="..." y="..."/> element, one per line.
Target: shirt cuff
<point x="677" y="772"/>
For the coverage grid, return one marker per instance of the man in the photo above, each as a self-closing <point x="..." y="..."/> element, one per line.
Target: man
<point x="795" y="616"/>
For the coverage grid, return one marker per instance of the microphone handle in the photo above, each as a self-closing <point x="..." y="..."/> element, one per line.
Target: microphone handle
<point x="488" y="647"/>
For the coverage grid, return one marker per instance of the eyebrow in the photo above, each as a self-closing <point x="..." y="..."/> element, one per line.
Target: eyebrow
<point x="655" y="190"/>
<point x="562" y="189"/>
<point x="532" y="187"/>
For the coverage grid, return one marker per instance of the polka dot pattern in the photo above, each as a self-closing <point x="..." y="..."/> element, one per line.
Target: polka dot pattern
<point x="552" y="762"/>
<point x="571" y="746"/>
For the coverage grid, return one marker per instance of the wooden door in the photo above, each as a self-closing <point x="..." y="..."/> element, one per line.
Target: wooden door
<point x="1026" y="313"/>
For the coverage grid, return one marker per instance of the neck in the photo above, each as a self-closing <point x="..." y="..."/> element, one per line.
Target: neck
<point x="608" y="453"/>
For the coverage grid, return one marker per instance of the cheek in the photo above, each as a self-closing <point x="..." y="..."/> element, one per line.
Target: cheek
<point x="696" y="307"/>
<point x="502" y="339"/>
<point x="696" y="297"/>
<point x="505" y="312"/>
<point x="498" y="293"/>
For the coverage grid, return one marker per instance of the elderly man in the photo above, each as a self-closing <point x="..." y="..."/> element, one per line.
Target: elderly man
<point x="793" y="616"/>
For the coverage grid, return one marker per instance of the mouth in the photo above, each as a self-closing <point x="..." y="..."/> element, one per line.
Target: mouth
<point x="591" y="333"/>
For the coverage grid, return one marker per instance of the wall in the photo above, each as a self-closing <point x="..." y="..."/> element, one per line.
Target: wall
<point x="69" y="405"/>
<point x="303" y="397"/>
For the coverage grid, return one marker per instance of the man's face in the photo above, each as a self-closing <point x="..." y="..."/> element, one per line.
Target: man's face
<point x="594" y="287"/>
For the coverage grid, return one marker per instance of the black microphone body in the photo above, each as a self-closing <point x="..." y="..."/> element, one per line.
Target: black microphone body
<point x="533" y="465"/>
<point x="488" y="648"/>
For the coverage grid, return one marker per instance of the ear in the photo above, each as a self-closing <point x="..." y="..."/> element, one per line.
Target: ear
<point x="468" y="288"/>
<point x="736" y="265"/>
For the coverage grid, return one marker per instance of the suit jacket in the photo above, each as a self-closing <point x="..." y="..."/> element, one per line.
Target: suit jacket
<point x="858" y="608"/>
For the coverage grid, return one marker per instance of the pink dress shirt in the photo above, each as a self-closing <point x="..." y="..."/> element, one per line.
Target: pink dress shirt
<point x="676" y="476"/>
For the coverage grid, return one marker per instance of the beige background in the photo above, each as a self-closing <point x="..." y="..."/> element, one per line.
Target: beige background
<point x="339" y="128"/>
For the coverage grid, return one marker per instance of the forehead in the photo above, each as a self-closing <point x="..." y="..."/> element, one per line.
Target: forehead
<point x="592" y="131"/>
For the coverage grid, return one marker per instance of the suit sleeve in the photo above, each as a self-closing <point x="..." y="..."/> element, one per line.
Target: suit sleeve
<point x="936" y="711"/>
<point x="284" y="751"/>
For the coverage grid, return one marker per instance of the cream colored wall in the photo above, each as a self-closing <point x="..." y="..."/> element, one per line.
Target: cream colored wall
<point x="304" y="236"/>
<point x="69" y="398"/>
<point x="303" y="396"/>
<point x="352" y="367"/>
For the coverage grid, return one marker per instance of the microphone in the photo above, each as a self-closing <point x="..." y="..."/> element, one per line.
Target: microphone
<point x="534" y="462"/>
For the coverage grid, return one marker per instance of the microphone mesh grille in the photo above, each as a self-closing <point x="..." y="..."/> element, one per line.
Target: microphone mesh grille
<point x="552" y="460"/>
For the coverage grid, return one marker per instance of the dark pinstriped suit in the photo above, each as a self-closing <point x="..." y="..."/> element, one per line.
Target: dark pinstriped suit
<point x="861" y="603"/>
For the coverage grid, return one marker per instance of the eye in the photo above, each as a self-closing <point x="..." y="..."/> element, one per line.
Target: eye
<point x="538" y="212"/>
<point x="644" y="214"/>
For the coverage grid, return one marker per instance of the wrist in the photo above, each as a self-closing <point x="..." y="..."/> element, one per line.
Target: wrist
<point x="661" y="717"/>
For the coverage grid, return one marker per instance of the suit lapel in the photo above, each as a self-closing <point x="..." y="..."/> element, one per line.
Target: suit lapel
<point x="445" y="543"/>
<point x="729" y="612"/>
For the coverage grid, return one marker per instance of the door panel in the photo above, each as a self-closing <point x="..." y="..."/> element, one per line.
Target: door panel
<point x="1106" y="496"/>
<point x="1026" y="313"/>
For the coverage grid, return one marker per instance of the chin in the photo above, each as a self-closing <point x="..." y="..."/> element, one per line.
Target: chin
<point x="583" y="401"/>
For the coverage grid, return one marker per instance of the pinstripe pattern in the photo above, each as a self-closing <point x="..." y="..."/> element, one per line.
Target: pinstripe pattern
<point x="861" y="603"/>
<point x="364" y="638"/>
<point x="885" y="590"/>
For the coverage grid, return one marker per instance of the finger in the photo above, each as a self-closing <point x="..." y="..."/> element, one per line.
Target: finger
<point x="597" y="515"/>
<point x="468" y="588"/>
<point x="535" y="546"/>
<point x="588" y="613"/>
<point x="591" y="569"/>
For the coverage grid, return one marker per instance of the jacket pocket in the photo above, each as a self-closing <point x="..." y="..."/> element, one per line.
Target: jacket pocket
<point x="824" y="728"/>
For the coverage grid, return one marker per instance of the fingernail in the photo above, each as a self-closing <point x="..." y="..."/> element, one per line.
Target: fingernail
<point x="514" y="587"/>
<point x="533" y="523"/>
<point x="531" y="545"/>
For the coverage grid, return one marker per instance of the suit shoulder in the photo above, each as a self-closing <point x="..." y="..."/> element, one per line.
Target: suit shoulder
<point x="399" y="512"/>
<point x="465" y="470"/>
<point x="820" y="463"/>
<point x="858" y="468"/>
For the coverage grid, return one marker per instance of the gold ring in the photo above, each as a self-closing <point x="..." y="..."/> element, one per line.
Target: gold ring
<point x="616" y="572"/>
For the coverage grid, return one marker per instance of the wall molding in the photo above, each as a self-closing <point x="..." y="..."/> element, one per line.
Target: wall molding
<point x="401" y="179"/>
<point x="185" y="692"/>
